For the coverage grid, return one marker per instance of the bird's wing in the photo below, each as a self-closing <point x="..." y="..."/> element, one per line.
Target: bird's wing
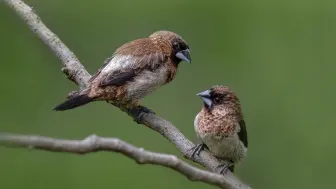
<point x="129" y="60"/>
<point x="196" y="125"/>
<point x="123" y="68"/>
<point x="243" y="133"/>
<point x="101" y="68"/>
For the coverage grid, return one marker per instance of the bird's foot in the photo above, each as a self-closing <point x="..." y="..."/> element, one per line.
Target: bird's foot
<point x="223" y="168"/>
<point x="196" y="150"/>
<point x="146" y="110"/>
<point x="141" y="111"/>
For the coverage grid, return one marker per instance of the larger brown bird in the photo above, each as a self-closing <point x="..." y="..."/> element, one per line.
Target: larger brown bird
<point x="136" y="69"/>
<point x="221" y="127"/>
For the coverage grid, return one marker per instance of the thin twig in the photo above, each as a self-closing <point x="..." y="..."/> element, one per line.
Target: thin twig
<point x="77" y="73"/>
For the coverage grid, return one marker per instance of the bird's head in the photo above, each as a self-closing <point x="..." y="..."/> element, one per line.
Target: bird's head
<point x="172" y="44"/>
<point x="219" y="97"/>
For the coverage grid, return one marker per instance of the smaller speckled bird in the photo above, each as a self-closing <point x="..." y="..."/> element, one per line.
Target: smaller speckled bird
<point x="135" y="70"/>
<point x="221" y="127"/>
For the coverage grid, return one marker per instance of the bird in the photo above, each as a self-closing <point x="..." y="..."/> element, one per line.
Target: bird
<point x="135" y="70"/>
<point x="220" y="127"/>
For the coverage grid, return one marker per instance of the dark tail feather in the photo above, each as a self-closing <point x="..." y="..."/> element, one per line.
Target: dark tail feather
<point x="231" y="168"/>
<point x="74" y="102"/>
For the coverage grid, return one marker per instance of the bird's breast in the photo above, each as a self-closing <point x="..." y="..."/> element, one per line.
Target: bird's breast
<point x="146" y="82"/>
<point x="225" y="147"/>
<point x="212" y="123"/>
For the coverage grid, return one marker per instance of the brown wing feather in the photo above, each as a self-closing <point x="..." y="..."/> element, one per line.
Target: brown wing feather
<point x="118" y="79"/>
<point x="146" y="62"/>
<point x="243" y="133"/>
<point x="136" y="48"/>
<point x="139" y="55"/>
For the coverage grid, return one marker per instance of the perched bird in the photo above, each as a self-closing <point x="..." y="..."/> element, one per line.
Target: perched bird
<point x="221" y="127"/>
<point x="136" y="69"/>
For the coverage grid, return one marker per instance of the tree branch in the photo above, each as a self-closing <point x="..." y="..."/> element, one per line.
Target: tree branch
<point x="77" y="73"/>
<point x="95" y="143"/>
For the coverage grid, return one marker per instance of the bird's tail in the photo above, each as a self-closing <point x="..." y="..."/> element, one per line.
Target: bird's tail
<point x="73" y="102"/>
<point x="232" y="168"/>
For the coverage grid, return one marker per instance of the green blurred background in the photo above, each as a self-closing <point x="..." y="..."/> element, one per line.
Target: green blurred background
<point x="278" y="56"/>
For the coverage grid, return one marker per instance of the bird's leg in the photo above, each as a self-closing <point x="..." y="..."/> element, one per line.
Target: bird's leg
<point x="141" y="111"/>
<point x="223" y="168"/>
<point x="196" y="150"/>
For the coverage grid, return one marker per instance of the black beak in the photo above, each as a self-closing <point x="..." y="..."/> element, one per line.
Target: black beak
<point x="206" y="97"/>
<point x="184" y="55"/>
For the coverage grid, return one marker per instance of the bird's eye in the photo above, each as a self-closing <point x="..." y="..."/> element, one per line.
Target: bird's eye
<point x="176" y="45"/>
<point x="217" y="99"/>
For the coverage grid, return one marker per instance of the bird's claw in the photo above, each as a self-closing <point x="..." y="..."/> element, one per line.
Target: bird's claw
<point x="146" y="110"/>
<point x="138" y="118"/>
<point x="196" y="150"/>
<point x="223" y="168"/>
<point x="141" y="111"/>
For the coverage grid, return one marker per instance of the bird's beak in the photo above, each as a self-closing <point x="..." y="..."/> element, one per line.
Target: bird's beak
<point x="206" y="97"/>
<point x="184" y="55"/>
